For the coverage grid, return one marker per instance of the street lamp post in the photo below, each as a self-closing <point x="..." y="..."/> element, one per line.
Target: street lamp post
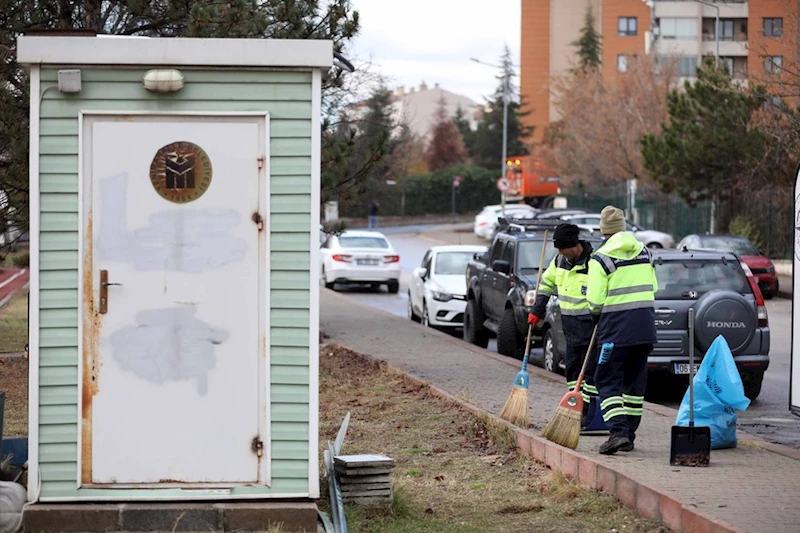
<point x="505" y="128"/>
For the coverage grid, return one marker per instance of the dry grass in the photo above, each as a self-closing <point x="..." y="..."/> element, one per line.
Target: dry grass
<point x="454" y="471"/>
<point x="14" y="324"/>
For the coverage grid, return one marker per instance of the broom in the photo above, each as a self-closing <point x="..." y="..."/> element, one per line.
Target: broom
<point x="565" y="426"/>
<point x="515" y="409"/>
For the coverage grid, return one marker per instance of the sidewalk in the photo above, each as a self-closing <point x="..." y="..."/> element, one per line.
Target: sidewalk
<point x="749" y="488"/>
<point x="785" y="287"/>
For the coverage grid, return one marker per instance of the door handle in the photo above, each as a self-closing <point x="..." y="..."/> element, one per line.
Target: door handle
<point x="104" y="284"/>
<point x="665" y="311"/>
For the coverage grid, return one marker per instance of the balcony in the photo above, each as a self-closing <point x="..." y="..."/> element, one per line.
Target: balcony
<point x="691" y="8"/>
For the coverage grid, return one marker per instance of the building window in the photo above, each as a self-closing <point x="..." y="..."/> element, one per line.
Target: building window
<point x="728" y="62"/>
<point x="627" y="26"/>
<point x="773" y="64"/>
<point x="688" y="66"/>
<point x="726" y="32"/>
<point x="622" y="63"/>
<point x="683" y="29"/>
<point x="773" y="27"/>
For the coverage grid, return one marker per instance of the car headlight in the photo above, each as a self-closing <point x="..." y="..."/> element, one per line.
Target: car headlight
<point x="530" y="297"/>
<point x="441" y="296"/>
<point x="770" y="269"/>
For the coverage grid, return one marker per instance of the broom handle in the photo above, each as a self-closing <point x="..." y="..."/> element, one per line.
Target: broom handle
<point x="585" y="360"/>
<point x="538" y="281"/>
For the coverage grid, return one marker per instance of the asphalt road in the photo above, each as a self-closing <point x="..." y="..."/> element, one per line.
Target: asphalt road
<point x="768" y="416"/>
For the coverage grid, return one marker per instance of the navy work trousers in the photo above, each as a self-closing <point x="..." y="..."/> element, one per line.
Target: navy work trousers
<point x="621" y="382"/>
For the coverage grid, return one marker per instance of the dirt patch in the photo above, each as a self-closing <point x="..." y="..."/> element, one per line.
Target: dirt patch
<point x="14" y="382"/>
<point x="454" y="471"/>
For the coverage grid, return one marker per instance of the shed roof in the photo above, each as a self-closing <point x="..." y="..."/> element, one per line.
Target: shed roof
<point x="177" y="51"/>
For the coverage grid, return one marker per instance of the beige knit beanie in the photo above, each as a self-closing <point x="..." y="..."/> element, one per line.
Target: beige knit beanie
<point x="612" y="220"/>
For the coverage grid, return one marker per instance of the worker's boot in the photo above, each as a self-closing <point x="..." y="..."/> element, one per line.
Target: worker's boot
<point x="615" y="444"/>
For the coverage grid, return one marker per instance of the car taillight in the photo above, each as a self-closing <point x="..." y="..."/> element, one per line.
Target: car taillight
<point x="761" y="308"/>
<point x="483" y="223"/>
<point x="391" y="258"/>
<point x="342" y="258"/>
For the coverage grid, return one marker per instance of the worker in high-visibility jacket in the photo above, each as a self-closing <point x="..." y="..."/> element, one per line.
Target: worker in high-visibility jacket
<point x="567" y="275"/>
<point x="622" y="287"/>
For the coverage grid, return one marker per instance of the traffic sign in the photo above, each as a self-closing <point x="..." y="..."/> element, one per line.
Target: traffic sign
<point x="503" y="184"/>
<point x="457" y="180"/>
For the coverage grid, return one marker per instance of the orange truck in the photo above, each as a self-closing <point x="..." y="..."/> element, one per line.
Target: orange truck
<point x="531" y="181"/>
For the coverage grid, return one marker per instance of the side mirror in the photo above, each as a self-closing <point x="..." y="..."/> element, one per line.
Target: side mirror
<point x="499" y="265"/>
<point x="422" y="272"/>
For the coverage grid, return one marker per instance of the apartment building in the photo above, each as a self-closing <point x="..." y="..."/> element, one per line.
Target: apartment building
<point x="755" y="39"/>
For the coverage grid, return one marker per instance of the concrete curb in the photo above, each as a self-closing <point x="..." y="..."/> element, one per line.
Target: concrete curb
<point x="648" y="501"/>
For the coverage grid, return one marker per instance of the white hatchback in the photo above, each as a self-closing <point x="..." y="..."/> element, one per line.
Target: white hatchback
<point x="486" y="221"/>
<point x="360" y="257"/>
<point x="438" y="289"/>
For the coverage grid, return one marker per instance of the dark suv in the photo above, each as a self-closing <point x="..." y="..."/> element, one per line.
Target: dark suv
<point x="501" y="283"/>
<point x="727" y="302"/>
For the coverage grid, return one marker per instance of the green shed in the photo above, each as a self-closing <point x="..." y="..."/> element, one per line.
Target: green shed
<point x="174" y="199"/>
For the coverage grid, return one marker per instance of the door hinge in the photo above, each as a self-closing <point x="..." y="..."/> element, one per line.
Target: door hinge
<point x="257" y="446"/>
<point x="259" y="220"/>
<point x="260" y="162"/>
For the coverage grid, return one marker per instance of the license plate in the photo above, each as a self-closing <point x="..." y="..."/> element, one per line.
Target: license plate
<point x="367" y="262"/>
<point x="683" y="368"/>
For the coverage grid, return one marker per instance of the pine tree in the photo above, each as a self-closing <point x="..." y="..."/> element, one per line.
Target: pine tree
<point x="589" y="52"/>
<point x="462" y="123"/>
<point x="487" y="144"/>
<point x="446" y="145"/>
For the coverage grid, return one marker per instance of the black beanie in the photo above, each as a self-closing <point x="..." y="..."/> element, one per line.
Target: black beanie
<point x="566" y="236"/>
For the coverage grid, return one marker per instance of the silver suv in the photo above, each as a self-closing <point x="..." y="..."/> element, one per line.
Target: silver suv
<point x="727" y="302"/>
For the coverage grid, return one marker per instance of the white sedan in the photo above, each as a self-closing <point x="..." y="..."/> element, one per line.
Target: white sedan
<point x="486" y="221"/>
<point x="360" y="257"/>
<point x="438" y="289"/>
<point x="650" y="238"/>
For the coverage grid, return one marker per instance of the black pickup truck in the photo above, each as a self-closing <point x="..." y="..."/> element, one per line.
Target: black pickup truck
<point x="501" y="284"/>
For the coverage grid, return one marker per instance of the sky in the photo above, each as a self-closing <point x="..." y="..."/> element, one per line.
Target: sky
<point x="411" y="41"/>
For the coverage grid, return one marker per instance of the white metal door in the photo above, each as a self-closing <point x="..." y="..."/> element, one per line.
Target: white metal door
<point x="174" y="363"/>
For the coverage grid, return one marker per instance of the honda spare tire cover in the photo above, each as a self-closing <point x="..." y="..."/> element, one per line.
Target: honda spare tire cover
<point x="725" y="313"/>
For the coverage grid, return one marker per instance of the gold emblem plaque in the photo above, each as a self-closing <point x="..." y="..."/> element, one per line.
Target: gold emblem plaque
<point x="181" y="172"/>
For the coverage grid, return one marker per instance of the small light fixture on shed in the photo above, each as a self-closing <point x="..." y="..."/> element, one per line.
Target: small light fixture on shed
<point x="69" y="81"/>
<point x="163" y="80"/>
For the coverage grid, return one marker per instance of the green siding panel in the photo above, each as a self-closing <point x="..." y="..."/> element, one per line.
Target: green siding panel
<point x="282" y="393"/>
<point x="294" y="431"/>
<point x="283" y="360"/>
<point x="289" y="166"/>
<point x="289" y="128"/>
<point x="58" y="260"/>
<point x="289" y="242"/>
<point x="290" y="203"/>
<point x="290" y="450"/>
<point x="67" y="471"/>
<point x="58" y="375"/>
<point x="290" y="468"/>
<point x="135" y="75"/>
<point x="58" y="164"/>
<point x="278" y="110"/>
<point x="64" y="356"/>
<point x="58" y="414"/>
<point x="58" y="299"/>
<point x="58" y="183"/>
<point x="59" y="395"/>
<point x="59" y="145"/>
<point x="60" y="203"/>
<point x="280" y="185"/>
<point x="287" y="279"/>
<point x="291" y="318"/>
<point x="67" y="452"/>
<point x="290" y="375"/>
<point x="290" y="261"/>
<point x="58" y="126"/>
<point x="58" y="242"/>
<point x="58" y="337"/>
<point x="290" y="146"/>
<point x="58" y="318"/>
<point x="289" y="337"/>
<point x="58" y="433"/>
<point x="58" y="279"/>
<point x="59" y="222"/>
<point x="285" y="223"/>
<point x="289" y="299"/>
<point x="191" y="92"/>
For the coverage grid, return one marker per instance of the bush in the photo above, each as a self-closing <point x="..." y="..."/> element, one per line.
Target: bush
<point x="746" y="228"/>
<point x="431" y="194"/>
<point x="22" y="260"/>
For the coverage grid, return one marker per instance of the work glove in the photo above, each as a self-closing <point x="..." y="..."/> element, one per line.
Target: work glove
<point x="595" y="319"/>
<point x="605" y="352"/>
<point x="533" y="319"/>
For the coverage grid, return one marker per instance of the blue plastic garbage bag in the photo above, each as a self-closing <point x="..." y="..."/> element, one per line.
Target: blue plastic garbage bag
<point x="718" y="393"/>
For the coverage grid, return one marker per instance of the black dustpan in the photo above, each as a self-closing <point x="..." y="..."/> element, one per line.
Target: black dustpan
<point x="690" y="446"/>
